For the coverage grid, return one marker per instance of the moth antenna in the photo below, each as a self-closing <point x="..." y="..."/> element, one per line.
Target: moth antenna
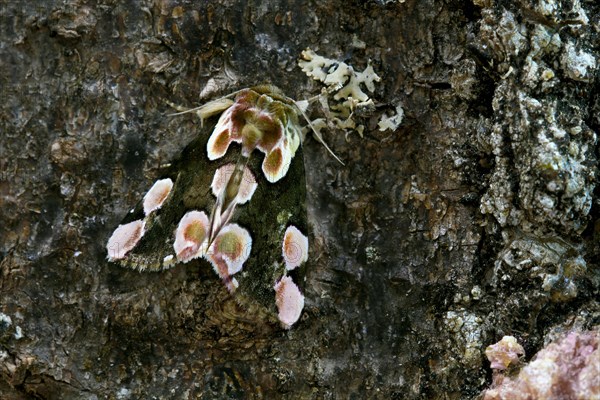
<point x="207" y="110"/>
<point x="317" y="134"/>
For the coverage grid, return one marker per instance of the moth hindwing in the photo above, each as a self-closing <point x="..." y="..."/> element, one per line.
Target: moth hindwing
<point x="235" y="200"/>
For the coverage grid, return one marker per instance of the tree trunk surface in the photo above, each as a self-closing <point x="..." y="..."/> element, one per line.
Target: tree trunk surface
<point x="477" y="217"/>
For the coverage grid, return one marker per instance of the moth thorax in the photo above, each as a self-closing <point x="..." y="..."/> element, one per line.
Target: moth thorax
<point x="251" y="136"/>
<point x="233" y="185"/>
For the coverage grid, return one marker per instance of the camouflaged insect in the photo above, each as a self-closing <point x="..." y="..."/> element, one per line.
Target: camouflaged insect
<point x="228" y="205"/>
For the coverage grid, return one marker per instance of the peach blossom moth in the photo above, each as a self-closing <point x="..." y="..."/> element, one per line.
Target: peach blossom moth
<point x="225" y="204"/>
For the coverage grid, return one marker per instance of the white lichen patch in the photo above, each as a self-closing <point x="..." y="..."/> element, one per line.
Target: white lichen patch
<point x="552" y="9"/>
<point x="123" y="393"/>
<point x="345" y="84"/>
<point x="5" y="320"/>
<point x="578" y="64"/>
<point x="543" y="150"/>
<point x="18" y="332"/>
<point x="393" y="122"/>
<point x="157" y="194"/>
<point x="5" y="324"/>
<point x="553" y="162"/>
<point x="512" y="33"/>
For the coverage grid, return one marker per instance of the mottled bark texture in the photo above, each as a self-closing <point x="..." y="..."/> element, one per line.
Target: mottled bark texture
<point x="477" y="218"/>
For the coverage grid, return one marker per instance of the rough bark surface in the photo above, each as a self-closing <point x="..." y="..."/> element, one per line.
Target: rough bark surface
<point x="478" y="217"/>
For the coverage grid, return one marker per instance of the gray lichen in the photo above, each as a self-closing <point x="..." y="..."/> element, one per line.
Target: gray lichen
<point x="466" y="334"/>
<point x="557" y="262"/>
<point x="545" y="165"/>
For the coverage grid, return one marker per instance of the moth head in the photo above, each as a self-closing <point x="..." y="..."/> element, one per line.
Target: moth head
<point x="289" y="301"/>
<point x="258" y="121"/>
<point x="251" y="137"/>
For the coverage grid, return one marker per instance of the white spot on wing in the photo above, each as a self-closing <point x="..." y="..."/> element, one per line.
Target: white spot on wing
<point x="169" y="260"/>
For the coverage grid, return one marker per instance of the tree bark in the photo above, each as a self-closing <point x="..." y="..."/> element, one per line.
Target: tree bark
<point x="476" y="218"/>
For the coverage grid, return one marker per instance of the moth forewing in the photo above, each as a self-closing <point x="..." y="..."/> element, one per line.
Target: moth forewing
<point x="191" y="191"/>
<point x="252" y="219"/>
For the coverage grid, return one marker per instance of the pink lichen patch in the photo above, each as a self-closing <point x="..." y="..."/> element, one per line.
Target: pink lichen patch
<point x="247" y="186"/>
<point x="504" y="353"/>
<point x="157" y="194"/>
<point x="232" y="247"/>
<point x="190" y="236"/>
<point x="568" y="368"/>
<point x="294" y="248"/>
<point x="289" y="301"/>
<point x="124" y="239"/>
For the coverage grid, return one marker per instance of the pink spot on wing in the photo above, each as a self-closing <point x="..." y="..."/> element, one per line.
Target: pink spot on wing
<point x="276" y="163"/>
<point x="124" y="239"/>
<point x="294" y="248"/>
<point x="231" y="246"/>
<point x="289" y="301"/>
<point x="218" y="144"/>
<point x="157" y="194"/>
<point x="190" y="236"/>
<point x="222" y="269"/>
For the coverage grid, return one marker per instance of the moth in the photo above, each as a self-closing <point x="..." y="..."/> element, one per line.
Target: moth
<point x="235" y="200"/>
